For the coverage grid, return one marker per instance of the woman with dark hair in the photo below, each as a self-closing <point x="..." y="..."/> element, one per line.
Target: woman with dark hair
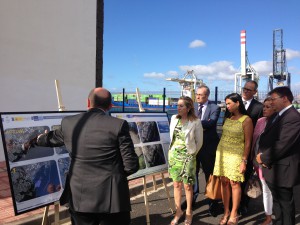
<point x="232" y="153"/>
<point x="186" y="135"/>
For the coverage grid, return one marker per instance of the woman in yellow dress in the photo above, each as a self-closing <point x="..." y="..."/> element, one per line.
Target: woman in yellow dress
<point x="232" y="154"/>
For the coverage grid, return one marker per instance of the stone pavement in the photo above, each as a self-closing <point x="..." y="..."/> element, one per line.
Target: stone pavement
<point x="160" y="213"/>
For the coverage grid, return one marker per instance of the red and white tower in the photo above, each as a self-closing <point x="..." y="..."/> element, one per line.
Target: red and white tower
<point x="243" y="52"/>
<point x="247" y="72"/>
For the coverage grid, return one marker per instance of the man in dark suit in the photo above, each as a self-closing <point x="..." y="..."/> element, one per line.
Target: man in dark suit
<point x="102" y="156"/>
<point x="254" y="108"/>
<point x="255" y="111"/>
<point x="280" y="154"/>
<point x="208" y="113"/>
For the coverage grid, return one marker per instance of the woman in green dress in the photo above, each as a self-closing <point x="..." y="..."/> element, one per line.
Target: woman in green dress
<point x="232" y="153"/>
<point x="186" y="135"/>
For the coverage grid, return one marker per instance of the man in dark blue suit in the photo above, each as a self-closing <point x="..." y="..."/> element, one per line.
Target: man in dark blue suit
<point x="208" y="113"/>
<point x="280" y="155"/>
<point x="254" y="110"/>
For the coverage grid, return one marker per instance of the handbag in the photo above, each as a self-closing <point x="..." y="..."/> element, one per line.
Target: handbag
<point x="253" y="187"/>
<point x="213" y="187"/>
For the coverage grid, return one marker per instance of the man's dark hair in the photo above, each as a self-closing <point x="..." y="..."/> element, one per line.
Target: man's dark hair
<point x="207" y="89"/>
<point x="102" y="100"/>
<point x="253" y="82"/>
<point x="283" y="91"/>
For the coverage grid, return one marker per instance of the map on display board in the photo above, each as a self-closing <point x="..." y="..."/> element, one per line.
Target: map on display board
<point x="37" y="177"/>
<point x="150" y="134"/>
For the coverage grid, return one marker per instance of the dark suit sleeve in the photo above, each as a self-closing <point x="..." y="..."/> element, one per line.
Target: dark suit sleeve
<point x="52" y="139"/>
<point x="130" y="158"/>
<point x="289" y="134"/>
<point x="213" y="118"/>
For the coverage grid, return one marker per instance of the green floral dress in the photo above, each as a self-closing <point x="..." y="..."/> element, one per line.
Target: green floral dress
<point x="230" y="150"/>
<point x="182" y="165"/>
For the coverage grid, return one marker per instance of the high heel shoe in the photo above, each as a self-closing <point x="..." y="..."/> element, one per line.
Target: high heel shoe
<point x="188" y="221"/>
<point x="233" y="221"/>
<point x="175" y="220"/>
<point x="224" y="219"/>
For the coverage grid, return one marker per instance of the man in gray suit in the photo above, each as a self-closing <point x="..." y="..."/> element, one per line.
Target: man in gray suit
<point x="208" y="113"/>
<point x="280" y="154"/>
<point x="102" y="156"/>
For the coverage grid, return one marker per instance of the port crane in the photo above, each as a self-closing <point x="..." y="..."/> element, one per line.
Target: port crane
<point x="280" y="74"/>
<point x="189" y="84"/>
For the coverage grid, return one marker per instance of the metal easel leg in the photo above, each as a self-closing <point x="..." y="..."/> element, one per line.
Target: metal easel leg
<point x="154" y="183"/>
<point x="146" y="200"/>
<point x="167" y="192"/>
<point x="56" y="213"/>
<point x="45" y="216"/>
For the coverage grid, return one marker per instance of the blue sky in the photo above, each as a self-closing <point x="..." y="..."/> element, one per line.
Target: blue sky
<point x="147" y="41"/>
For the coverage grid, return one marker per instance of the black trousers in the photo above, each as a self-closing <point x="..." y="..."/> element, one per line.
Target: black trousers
<point x="207" y="162"/>
<point x="249" y="171"/>
<point x="283" y="205"/>
<point x="79" y="218"/>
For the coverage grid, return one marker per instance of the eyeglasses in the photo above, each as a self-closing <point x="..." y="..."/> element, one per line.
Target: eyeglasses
<point x="273" y="99"/>
<point x="247" y="90"/>
<point x="202" y="95"/>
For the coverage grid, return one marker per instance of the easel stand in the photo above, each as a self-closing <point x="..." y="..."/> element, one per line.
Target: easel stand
<point x="56" y="204"/>
<point x="155" y="187"/>
<point x="153" y="176"/>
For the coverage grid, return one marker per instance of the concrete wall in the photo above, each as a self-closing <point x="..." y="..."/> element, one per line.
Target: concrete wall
<point x="44" y="40"/>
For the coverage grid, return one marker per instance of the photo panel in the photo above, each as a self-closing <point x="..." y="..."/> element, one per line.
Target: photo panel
<point x="37" y="176"/>
<point x="150" y="134"/>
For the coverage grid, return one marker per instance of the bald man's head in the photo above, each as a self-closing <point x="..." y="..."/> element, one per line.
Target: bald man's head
<point x="99" y="98"/>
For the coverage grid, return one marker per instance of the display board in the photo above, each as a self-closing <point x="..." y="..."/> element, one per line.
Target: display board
<point x="150" y="133"/>
<point x="37" y="178"/>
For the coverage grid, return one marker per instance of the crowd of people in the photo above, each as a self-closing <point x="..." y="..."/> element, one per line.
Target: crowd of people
<point x="255" y="136"/>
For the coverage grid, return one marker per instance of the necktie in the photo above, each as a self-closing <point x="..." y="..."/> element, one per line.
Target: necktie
<point x="275" y="118"/>
<point x="245" y="103"/>
<point x="200" y="111"/>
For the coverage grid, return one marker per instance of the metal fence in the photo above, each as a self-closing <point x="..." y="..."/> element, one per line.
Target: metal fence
<point x="220" y="94"/>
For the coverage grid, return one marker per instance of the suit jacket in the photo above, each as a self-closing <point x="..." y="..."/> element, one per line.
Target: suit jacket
<point x="280" y="147"/>
<point x="255" y="111"/>
<point x="102" y="156"/>
<point x="259" y="128"/>
<point x="209" y="124"/>
<point x="193" y="134"/>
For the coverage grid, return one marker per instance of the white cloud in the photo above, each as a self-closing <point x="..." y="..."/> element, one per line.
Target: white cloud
<point x="263" y="68"/>
<point x="197" y="44"/>
<point x="173" y="73"/>
<point x="291" y="54"/>
<point x="154" y="75"/>
<point x="221" y="70"/>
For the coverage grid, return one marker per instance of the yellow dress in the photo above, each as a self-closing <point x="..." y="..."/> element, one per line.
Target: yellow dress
<point x="230" y="150"/>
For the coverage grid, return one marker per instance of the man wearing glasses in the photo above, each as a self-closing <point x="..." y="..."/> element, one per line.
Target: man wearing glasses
<point x="255" y="111"/>
<point x="208" y="112"/>
<point x="254" y="108"/>
<point x="280" y="154"/>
